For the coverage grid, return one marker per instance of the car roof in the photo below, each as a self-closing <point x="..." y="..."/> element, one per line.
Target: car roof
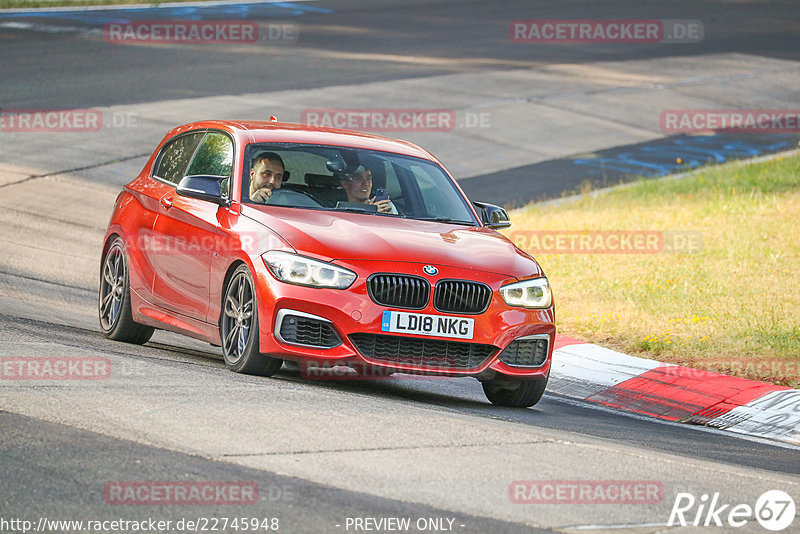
<point x="288" y="132"/>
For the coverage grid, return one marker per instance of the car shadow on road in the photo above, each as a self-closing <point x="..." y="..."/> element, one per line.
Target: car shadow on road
<point x="457" y="394"/>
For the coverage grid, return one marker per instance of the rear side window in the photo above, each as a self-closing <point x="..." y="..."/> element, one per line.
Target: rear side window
<point x="213" y="157"/>
<point x="175" y="157"/>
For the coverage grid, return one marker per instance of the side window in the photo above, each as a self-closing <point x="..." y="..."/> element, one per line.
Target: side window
<point x="175" y="157"/>
<point x="213" y="157"/>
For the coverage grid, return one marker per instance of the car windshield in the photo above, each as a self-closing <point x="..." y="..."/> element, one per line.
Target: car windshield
<point x="345" y="179"/>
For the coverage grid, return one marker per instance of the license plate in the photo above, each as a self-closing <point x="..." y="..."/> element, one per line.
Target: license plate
<point x="427" y="325"/>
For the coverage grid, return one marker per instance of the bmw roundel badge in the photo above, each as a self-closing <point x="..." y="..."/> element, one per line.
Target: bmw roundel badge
<point x="430" y="270"/>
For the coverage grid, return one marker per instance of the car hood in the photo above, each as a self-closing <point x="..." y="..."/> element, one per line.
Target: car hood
<point x="354" y="236"/>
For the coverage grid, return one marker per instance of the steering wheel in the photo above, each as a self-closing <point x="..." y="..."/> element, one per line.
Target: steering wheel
<point x="288" y="197"/>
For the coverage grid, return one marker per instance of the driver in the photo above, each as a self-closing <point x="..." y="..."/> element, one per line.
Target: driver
<point x="266" y="175"/>
<point x="358" y="186"/>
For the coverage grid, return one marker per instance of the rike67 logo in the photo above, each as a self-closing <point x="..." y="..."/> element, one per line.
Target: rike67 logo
<point x="774" y="510"/>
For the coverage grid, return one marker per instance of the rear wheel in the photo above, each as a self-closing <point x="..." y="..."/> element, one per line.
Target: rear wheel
<point x="239" y="328"/>
<point x="114" y="299"/>
<point x="515" y="393"/>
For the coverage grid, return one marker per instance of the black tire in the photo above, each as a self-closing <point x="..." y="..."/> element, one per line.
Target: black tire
<point x="238" y="328"/>
<point x="114" y="299"/>
<point x="520" y="394"/>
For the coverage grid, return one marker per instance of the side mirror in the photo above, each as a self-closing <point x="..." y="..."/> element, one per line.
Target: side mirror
<point x="492" y="216"/>
<point x="203" y="187"/>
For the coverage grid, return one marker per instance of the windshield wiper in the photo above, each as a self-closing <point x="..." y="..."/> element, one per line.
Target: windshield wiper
<point x="354" y="210"/>
<point x="445" y="220"/>
<point x="356" y="207"/>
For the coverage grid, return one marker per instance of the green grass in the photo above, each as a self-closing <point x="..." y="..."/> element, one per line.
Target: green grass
<point x="732" y="306"/>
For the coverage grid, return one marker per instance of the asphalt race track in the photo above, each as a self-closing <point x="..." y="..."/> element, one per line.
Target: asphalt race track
<point x="532" y="121"/>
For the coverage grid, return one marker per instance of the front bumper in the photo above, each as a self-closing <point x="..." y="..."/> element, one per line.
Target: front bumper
<point x="344" y="327"/>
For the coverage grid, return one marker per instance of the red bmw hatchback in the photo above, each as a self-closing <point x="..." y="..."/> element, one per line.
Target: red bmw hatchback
<point x="284" y="242"/>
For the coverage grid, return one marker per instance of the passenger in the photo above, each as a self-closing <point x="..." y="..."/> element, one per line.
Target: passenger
<point x="358" y="186"/>
<point x="266" y="175"/>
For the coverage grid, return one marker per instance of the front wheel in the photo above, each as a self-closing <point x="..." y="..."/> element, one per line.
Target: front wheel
<point x="521" y="393"/>
<point x="239" y="328"/>
<point x="114" y="299"/>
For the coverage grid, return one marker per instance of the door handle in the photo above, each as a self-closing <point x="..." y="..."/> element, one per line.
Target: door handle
<point x="166" y="202"/>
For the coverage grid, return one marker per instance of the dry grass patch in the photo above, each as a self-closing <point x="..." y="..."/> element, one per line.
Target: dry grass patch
<point x="732" y="306"/>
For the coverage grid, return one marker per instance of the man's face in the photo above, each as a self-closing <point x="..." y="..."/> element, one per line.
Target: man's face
<point x="266" y="173"/>
<point x="358" y="187"/>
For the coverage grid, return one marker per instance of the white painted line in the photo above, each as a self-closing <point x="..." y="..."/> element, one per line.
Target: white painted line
<point x="618" y="526"/>
<point x="48" y="28"/>
<point x="585" y="369"/>
<point x="698" y="428"/>
<point x="582" y="370"/>
<point x="120" y="7"/>
<point x="774" y="415"/>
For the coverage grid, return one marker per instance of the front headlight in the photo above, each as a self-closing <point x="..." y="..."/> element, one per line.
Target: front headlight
<point x="296" y="269"/>
<point x="533" y="293"/>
